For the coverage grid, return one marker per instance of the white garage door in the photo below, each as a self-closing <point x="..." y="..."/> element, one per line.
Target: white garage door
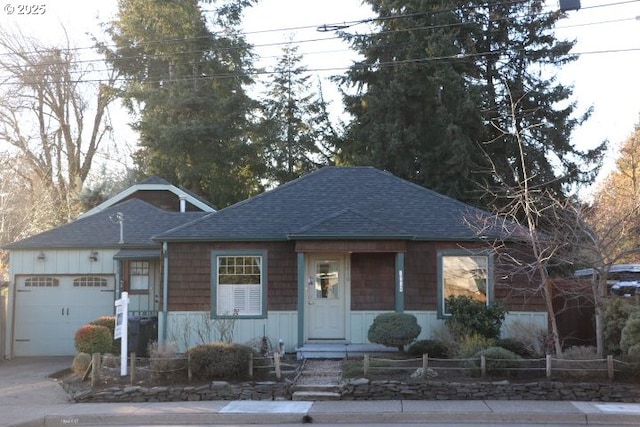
<point x="50" y="309"/>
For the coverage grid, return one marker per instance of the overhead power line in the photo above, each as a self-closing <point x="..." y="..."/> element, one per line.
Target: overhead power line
<point x="311" y="41"/>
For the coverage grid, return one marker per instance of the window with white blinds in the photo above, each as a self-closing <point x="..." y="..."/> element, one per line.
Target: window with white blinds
<point x="239" y="284"/>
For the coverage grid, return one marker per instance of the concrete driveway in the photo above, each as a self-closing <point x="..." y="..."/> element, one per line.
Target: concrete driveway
<point x="26" y="391"/>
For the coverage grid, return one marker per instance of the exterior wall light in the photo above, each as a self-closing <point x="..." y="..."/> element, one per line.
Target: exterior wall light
<point x="41" y="256"/>
<point x="93" y="256"/>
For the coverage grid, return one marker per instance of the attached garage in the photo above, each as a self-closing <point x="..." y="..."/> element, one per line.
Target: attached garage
<point x="51" y="308"/>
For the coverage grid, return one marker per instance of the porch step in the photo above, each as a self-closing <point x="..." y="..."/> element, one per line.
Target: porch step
<point x="319" y="380"/>
<point x="315" y="395"/>
<point x="340" y="351"/>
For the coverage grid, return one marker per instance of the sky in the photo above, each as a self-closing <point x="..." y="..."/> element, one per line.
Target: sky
<point x="605" y="77"/>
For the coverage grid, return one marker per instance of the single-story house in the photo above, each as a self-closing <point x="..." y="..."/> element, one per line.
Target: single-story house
<point x="311" y="263"/>
<point x="65" y="277"/>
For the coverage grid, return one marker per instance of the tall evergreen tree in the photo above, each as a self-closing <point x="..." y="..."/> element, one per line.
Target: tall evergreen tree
<point x="296" y="133"/>
<point x="437" y="89"/>
<point x="413" y="114"/>
<point x="187" y="85"/>
<point x="518" y="56"/>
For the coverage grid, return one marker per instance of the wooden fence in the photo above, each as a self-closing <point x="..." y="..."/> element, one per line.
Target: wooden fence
<point x="545" y="367"/>
<point x="179" y="364"/>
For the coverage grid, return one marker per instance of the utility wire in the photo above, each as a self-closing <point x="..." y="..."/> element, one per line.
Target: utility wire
<point x="160" y="56"/>
<point x="314" y="40"/>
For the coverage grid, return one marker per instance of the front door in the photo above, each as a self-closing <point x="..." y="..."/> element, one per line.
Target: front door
<point x="326" y="297"/>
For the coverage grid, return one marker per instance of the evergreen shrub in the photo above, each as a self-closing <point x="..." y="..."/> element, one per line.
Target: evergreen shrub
<point x="472" y="317"/>
<point x="616" y="314"/>
<point x="93" y="339"/>
<point x="394" y="330"/>
<point x="434" y="348"/>
<point x="220" y="360"/>
<point x="630" y="337"/>
<point x="515" y="346"/>
<point x="498" y="360"/>
<point x="110" y="323"/>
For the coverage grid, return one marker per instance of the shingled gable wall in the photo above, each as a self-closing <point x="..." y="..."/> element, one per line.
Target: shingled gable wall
<point x="372" y="277"/>
<point x="163" y="199"/>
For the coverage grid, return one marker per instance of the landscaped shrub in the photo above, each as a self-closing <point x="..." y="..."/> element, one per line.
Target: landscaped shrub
<point x="630" y="336"/>
<point x="110" y="323"/>
<point x="471" y="317"/>
<point x="580" y="362"/>
<point x="220" y="360"/>
<point x="394" y="330"/>
<point x="536" y="339"/>
<point x="433" y="348"/>
<point x="93" y="339"/>
<point x="616" y="314"/>
<point x="514" y="346"/>
<point x="81" y="363"/>
<point x="469" y="346"/>
<point x="498" y="360"/>
<point x="166" y="363"/>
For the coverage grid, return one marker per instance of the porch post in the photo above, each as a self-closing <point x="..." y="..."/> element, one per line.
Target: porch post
<point x="301" y="294"/>
<point x="399" y="282"/>
<point x="165" y="291"/>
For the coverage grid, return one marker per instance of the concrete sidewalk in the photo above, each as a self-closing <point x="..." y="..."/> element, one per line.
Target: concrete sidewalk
<point x="29" y="398"/>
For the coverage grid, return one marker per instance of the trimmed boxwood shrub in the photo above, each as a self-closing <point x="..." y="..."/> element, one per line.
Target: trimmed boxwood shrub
<point x="93" y="339"/>
<point x="394" y="330"/>
<point x="220" y="360"/>
<point x="434" y="348"/>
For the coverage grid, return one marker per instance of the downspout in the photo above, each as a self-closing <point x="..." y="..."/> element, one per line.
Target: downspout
<point x="165" y="290"/>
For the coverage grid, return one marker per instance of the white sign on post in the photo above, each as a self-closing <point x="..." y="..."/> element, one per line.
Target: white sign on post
<point x="121" y="329"/>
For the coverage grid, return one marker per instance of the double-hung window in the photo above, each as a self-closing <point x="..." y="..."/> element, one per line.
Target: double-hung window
<point x="462" y="273"/>
<point x="139" y="275"/>
<point x="239" y="283"/>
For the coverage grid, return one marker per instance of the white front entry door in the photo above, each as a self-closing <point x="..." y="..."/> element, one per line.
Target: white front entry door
<point x="326" y="297"/>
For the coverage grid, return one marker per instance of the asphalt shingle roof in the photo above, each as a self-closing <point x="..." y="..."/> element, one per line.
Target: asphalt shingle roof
<point x="141" y="222"/>
<point x="338" y="202"/>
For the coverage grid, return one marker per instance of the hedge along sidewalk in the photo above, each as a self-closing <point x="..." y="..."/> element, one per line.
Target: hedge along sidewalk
<point x="549" y="365"/>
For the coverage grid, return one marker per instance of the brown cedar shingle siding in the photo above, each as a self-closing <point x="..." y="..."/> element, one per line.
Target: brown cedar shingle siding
<point x="372" y="277"/>
<point x="161" y="198"/>
<point x="372" y="281"/>
<point x="190" y="274"/>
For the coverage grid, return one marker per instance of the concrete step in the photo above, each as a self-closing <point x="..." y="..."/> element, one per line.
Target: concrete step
<point x="315" y="395"/>
<point x="316" y="388"/>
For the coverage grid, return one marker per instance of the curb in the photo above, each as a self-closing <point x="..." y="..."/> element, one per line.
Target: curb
<point x="323" y="417"/>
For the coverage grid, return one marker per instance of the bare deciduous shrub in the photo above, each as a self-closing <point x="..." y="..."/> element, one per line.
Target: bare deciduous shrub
<point x="80" y="363"/>
<point x="166" y="363"/>
<point x="580" y="362"/>
<point x="534" y="338"/>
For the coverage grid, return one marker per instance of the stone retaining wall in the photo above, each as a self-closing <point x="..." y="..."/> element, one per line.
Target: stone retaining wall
<point x="363" y="389"/>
